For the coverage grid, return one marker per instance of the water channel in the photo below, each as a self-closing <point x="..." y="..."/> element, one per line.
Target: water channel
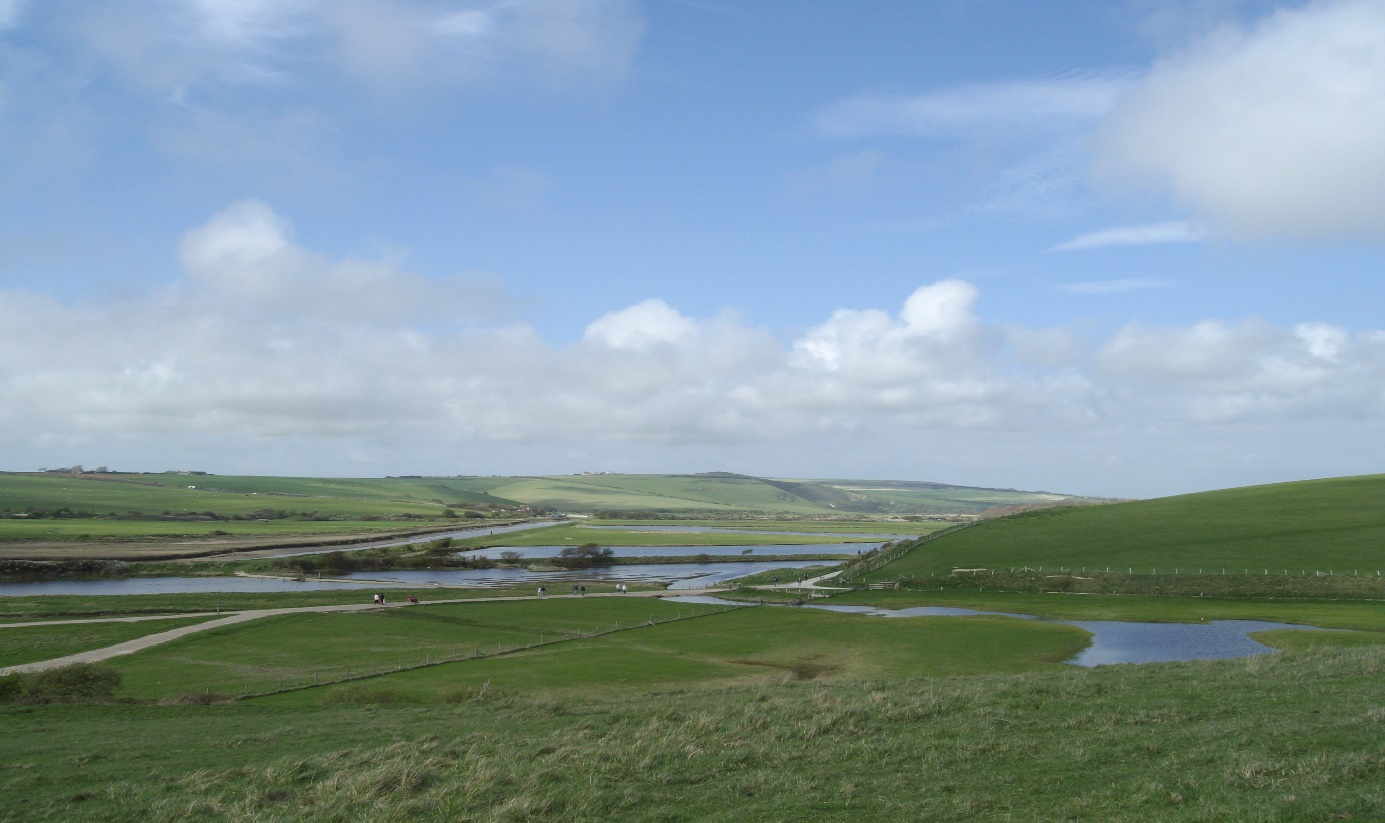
<point x="681" y="576"/>
<point x="535" y="552"/>
<point x="1113" y="641"/>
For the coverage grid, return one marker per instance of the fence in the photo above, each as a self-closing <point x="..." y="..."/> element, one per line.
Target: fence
<point x="344" y="674"/>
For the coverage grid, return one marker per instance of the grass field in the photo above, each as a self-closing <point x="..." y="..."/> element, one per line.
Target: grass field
<point x="578" y="534"/>
<point x="27" y="644"/>
<point x="1319" y="524"/>
<point x="1292" y="737"/>
<point x="754" y="713"/>
<point x="333" y="645"/>
<point x="747" y="645"/>
<point x="38" y="607"/>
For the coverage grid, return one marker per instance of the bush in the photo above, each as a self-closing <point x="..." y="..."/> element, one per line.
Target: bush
<point x="10" y="687"/>
<point x="79" y="681"/>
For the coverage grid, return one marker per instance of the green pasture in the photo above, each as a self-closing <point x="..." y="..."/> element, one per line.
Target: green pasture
<point x="98" y="529"/>
<point x="28" y="644"/>
<point x="578" y="534"/>
<point x="1336" y="524"/>
<point x="896" y="528"/>
<point x="156" y="494"/>
<point x="1297" y="641"/>
<point x="948" y="500"/>
<point x="335" y="645"/>
<point x="1364" y="615"/>
<point x="19" y="608"/>
<point x="1284" y="737"/>
<point x="753" y="644"/>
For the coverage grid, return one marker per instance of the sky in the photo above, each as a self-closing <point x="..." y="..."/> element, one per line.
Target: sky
<point x="1124" y="248"/>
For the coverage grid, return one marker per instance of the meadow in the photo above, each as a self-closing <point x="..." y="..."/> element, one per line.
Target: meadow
<point x="632" y="708"/>
<point x="1297" y="528"/>
<point x="1290" y="737"/>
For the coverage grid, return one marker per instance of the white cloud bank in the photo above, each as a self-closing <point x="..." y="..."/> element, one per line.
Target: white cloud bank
<point x="267" y="343"/>
<point x="1273" y="130"/>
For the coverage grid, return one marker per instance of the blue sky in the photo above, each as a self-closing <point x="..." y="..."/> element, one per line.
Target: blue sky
<point x="1122" y="248"/>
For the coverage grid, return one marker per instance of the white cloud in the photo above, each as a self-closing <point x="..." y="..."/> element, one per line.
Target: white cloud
<point x="1216" y="371"/>
<point x="640" y="326"/>
<point x="9" y="13"/>
<point x="274" y="347"/>
<point x="1117" y="286"/>
<point x="183" y="45"/>
<point x="1274" y="130"/>
<point x="1179" y="231"/>
<point x="1021" y="105"/>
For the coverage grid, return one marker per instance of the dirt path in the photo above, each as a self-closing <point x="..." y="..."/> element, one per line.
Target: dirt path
<point x="140" y="643"/>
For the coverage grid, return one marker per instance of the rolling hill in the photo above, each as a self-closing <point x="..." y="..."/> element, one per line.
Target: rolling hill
<point x="1334" y="525"/>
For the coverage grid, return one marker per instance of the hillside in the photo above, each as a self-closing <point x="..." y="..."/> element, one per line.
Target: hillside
<point x="1334" y="524"/>
<point x="731" y="494"/>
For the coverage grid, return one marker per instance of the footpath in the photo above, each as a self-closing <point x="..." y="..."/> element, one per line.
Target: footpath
<point x="140" y="643"/>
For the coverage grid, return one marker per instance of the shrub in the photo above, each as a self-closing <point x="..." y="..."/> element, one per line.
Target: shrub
<point x="79" y="681"/>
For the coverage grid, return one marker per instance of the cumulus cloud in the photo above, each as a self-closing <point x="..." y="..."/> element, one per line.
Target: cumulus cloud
<point x="262" y="338"/>
<point x="1220" y="371"/>
<point x="1178" y="231"/>
<point x="1035" y="105"/>
<point x="1277" y="129"/>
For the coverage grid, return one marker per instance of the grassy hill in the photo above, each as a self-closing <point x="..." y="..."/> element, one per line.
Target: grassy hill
<point x="1335" y="524"/>
<point x="172" y="494"/>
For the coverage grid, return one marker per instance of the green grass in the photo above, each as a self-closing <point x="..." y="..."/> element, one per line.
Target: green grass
<point x="579" y="534"/>
<point x="28" y="644"/>
<point x="254" y="655"/>
<point x="743" y="645"/>
<point x="154" y="494"/>
<point x="1336" y="524"/>
<point x="1285" y="737"/>
<point x="861" y="526"/>
<point x="97" y="529"/>
<point x="37" y="607"/>
<point x="1338" y="614"/>
<point x="1298" y="641"/>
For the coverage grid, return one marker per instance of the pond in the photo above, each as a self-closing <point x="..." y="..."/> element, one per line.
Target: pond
<point x="1113" y="641"/>
<point x="671" y="529"/>
<point x="679" y="575"/>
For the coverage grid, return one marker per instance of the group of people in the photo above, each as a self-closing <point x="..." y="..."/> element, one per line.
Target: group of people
<point x="577" y="590"/>
<point x="379" y="600"/>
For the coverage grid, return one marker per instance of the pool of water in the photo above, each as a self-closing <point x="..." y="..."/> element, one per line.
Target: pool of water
<point x="678" y="575"/>
<point x="671" y="529"/>
<point x="1113" y="641"/>
<point x="166" y="585"/>
<point x="683" y="551"/>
